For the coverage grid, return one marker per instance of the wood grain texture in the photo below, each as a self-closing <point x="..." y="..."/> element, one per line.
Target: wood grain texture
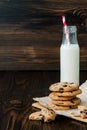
<point x="31" y="32"/>
<point x="34" y="58"/>
<point x="17" y="88"/>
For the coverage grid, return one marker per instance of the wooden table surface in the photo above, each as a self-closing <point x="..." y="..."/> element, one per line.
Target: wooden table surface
<point x="17" y="88"/>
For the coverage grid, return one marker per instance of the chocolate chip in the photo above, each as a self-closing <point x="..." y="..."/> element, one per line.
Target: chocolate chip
<point x="70" y="107"/>
<point x="85" y="111"/>
<point x="72" y="101"/>
<point x="65" y="85"/>
<point x="81" y="111"/>
<point x="61" y="90"/>
<point x="51" y="112"/>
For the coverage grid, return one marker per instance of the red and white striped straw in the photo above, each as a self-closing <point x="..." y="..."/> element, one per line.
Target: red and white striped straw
<point x="66" y="29"/>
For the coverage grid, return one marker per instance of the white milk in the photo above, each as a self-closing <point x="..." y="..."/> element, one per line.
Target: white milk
<point x="69" y="63"/>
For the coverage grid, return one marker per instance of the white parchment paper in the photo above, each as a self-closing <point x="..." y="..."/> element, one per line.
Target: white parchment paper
<point x="83" y="96"/>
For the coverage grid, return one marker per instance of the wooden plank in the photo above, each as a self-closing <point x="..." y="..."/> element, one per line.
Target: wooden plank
<point x="27" y="57"/>
<point x="31" y="32"/>
<point x="34" y="58"/>
<point x="16" y="92"/>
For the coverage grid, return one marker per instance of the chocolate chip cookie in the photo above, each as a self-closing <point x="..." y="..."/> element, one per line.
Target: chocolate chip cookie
<point x="58" y="107"/>
<point x="63" y="87"/>
<point x="83" y="111"/>
<point x="68" y="94"/>
<point x="73" y="102"/>
<point x="45" y="114"/>
<point x="60" y="98"/>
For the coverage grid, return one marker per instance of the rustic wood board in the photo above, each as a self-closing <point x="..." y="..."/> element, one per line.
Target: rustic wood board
<point x="31" y="32"/>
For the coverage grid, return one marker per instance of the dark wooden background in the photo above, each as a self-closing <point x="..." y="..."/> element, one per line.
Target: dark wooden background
<point x="31" y="32"/>
<point x="30" y="38"/>
<point x="17" y="88"/>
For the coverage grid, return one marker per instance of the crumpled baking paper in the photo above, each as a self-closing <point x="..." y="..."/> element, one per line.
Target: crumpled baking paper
<point x="83" y="96"/>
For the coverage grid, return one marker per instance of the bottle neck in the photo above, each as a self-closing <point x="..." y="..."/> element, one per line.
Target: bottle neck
<point x="72" y="35"/>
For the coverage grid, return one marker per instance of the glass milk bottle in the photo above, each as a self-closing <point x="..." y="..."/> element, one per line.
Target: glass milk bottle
<point x="70" y="57"/>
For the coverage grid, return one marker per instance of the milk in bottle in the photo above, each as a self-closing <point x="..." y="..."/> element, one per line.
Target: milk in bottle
<point x="70" y="57"/>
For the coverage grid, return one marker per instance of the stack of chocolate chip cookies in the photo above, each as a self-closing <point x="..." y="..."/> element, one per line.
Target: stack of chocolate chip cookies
<point x="64" y="96"/>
